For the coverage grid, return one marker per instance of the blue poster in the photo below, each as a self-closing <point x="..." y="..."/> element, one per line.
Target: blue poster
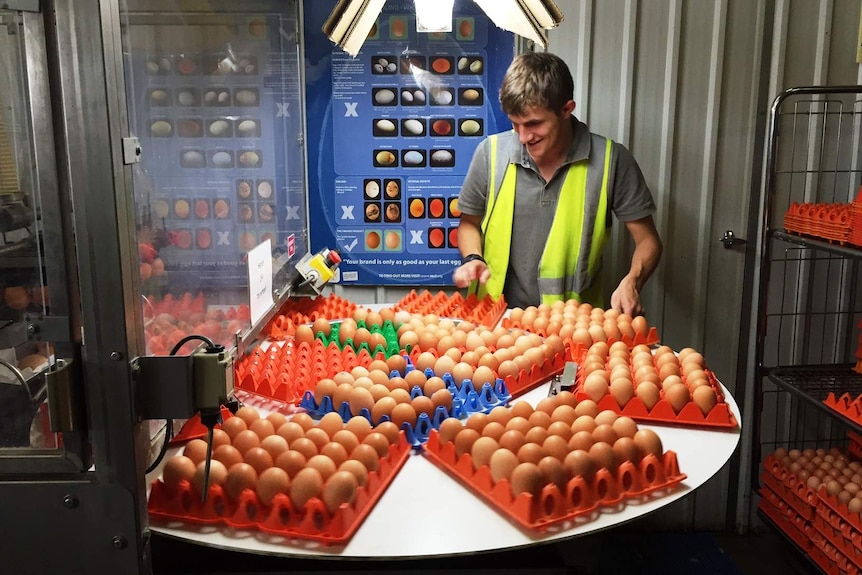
<point x="218" y="111"/>
<point x="391" y="134"/>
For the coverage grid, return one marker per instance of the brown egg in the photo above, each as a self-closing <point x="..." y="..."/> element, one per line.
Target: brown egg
<point x="259" y="458"/>
<point x="196" y="450"/>
<point x="357" y="469"/>
<point x="323" y="464"/>
<point x="502" y="463"/>
<point x="403" y="413"/>
<point x="248" y="414"/>
<point x="306" y="484"/>
<point x="367" y="455"/>
<point x="303" y="420"/>
<point x="648" y="442"/>
<point x="677" y="396"/>
<point x="604" y="433"/>
<point x="704" y="398"/>
<point x="449" y="428"/>
<point x="648" y="393"/>
<point x="290" y="431"/>
<point x="245" y="440"/>
<point x="217" y="476"/>
<point x="625" y="426"/>
<point x="482" y="450"/>
<point x="240" y="477"/>
<point x="540" y="419"/>
<point x="304" y="334"/>
<point x="527" y="478"/>
<point x="626" y="450"/>
<point x="272" y="482"/>
<point x="604" y="457"/>
<point x="396" y="363"/>
<point x="233" y="425"/>
<point x="379" y="442"/>
<point x="556" y="446"/>
<point x="334" y="451"/>
<point x="464" y="441"/>
<point x="305" y="446"/>
<point x="275" y="445"/>
<point x="291" y="461"/>
<point x="494" y="430"/>
<point x="262" y="427"/>
<point x="178" y="468"/>
<point x="359" y="426"/>
<point x="227" y="454"/>
<point x="554" y="471"/>
<point x="346" y="438"/>
<point x="531" y="452"/>
<point x="579" y="463"/>
<point x="339" y="489"/>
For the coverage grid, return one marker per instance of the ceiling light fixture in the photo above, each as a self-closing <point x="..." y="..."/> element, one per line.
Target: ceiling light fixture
<point x="351" y="21"/>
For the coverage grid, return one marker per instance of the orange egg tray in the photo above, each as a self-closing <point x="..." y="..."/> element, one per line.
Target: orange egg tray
<point x="653" y="476"/>
<point x="285" y="372"/>
<point x="846" y="405"/>
<point x="313" y="521"/>
<point x="815" y="520"/>
<point x="831" y="222"/>
<point x="486" y="311"/>
<point x="579" y="350"/>
<point x="301" y="310"/>
<point x="537" y="374"/>
<point x="719" y="416"/>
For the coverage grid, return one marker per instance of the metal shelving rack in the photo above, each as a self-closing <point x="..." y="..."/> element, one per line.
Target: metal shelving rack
<point x="809" y="304"/>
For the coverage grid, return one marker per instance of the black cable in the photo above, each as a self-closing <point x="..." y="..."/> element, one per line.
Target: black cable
<point x="169" y="430"/>
<point x="189" y="338"/>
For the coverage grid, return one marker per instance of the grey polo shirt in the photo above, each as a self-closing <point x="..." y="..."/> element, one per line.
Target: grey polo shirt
<point x="629" y="198"/>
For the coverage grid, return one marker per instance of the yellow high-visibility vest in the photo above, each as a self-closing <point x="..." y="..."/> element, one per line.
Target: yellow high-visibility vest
<point x="559" y="264"/>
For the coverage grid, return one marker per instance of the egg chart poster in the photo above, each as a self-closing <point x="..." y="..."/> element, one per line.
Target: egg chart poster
<point x="218" y="109"/>
<point x="391" y="134"/>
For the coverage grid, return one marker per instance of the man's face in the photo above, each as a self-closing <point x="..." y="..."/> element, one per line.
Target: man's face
<point x="543" y="131"/>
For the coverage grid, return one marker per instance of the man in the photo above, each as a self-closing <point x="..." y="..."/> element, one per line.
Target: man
<point x="537" y="201"/>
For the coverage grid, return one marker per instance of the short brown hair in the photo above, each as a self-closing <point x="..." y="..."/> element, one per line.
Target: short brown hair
<point x="536" y="80"/>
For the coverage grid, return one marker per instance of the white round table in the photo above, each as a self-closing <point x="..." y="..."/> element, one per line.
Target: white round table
<point x="458" y="522"/>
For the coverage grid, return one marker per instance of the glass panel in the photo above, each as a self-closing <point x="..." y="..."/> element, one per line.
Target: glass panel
<point x="214" y="95"/>
<point x="23" y="411"/>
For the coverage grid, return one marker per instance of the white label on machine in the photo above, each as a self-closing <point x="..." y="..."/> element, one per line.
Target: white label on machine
<point x="260" y="280"/>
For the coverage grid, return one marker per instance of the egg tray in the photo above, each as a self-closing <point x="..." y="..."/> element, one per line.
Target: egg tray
<point x="785" y="519"/>
<point x="789" y="488"/>
<point x="486" y="311"/>
<point x="720" y="416"/>
<point x="465" y="402"/>
<point x="846" y="405"/>
<point x="284" y="372"/>
<point x="831" y="222"/>
<point x="579" y="350"/>
<point x="298" y="311"/>
<point x="652" y="476"/>
<point x="835" y="544"/>
<point x="387" y="330"/>
<point x="312" y="522"/>
<point x="537" y="374"/>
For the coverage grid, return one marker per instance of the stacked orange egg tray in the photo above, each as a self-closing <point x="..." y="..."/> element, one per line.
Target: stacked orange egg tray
<point x="831" y="222"/>
<point x="297" y="311"/>
<point x="289" y="478"/>
<point x="813" y="496"/>
<point x="486" y="311"/>
<point x="170" y="319"/>
<point x="552" y="464"/>
<point x="646" y="386"/>
<point x="849" y="403"/>
<point x="858" y="367"/>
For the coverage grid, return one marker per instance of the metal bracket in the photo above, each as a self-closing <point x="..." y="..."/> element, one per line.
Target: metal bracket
<point x="730" y="240"/>
<point x="53" y="328"/>
<point x="564" y="381"/>
<point x="131" y="150"/>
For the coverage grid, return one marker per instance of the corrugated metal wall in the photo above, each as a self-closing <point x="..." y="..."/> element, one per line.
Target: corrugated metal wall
<point x="686" y="86"/>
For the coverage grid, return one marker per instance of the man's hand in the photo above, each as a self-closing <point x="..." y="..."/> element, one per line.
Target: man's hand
<point x="471" y="271"/>
<point x="626" y="298"/>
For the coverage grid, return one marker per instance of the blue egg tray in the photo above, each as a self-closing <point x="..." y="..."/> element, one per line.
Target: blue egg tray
<point x="465" y="402"/>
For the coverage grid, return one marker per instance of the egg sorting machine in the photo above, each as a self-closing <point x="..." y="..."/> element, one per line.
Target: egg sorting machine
<point x="114" y="248"/>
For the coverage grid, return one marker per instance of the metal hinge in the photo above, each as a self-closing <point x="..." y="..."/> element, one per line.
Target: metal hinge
<point x="131" y="150"/>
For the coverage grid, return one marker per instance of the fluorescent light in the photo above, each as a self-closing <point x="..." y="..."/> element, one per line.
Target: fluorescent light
<point x="527" y="18"/>
<point x="350" y="22"/>
<point x="434" y="15"/>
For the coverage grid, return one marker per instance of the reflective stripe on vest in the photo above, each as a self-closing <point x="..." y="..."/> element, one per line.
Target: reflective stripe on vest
<point x="558" y="270"/>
